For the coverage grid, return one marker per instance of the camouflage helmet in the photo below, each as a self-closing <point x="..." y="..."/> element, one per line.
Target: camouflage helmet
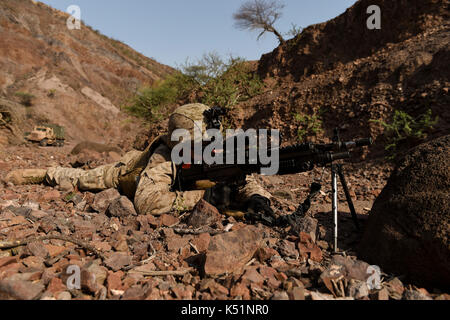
<point x="189" y="117"/>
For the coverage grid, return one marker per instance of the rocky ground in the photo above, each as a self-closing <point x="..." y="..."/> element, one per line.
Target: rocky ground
<point x="199" y="255"/>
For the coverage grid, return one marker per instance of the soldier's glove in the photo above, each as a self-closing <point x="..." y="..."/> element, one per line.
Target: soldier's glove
<point x="259" y="210"/>
<point x="218" y="196"/>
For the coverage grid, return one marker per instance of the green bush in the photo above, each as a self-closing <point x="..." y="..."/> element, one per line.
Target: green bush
<point x="25" y="98"/>
<point x="236" y="84"/>
<point x="308" y="125"/>
<point x="211" y="80"/>
<point x="404" y="128"/>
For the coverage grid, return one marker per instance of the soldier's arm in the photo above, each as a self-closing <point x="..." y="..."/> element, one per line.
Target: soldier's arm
<point x="251" y="188"/>
<point x="153" y="195"/>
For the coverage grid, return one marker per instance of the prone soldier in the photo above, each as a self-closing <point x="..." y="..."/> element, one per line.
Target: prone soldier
<point x="148" y="177"/>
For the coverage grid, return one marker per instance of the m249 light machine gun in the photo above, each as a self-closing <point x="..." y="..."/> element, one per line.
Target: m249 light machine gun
<point x="292" y="159"/>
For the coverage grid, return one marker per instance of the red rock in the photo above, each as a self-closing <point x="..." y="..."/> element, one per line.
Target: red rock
<point x="267" y="272"/>
<point x="168" y="220"/>
<point x="153" y="221"/>
<point x="280" y="295"/>
<point x="36" y="276"/>
<point x="34" y="262"/>
<point x="88" y="281"/>
<point x="353" y="269"/>
<point x="277" y="262"/>
<point x="118" y="260"/>
<point x="84" y="229"/>
<point x="51" y="195"/>
<point x="287" y="248"/>
<point x="217" y="289"/>
<point x="128" y="282"/>
<point x="252" y="276"/>
<point x="134" y="293"/>
<point x="9" y="270"/>
<point x="231" y="251"/>
<point x="114" y="280"/>
<point x="48" y="274"/>
<point x="121" y="207"/>
<point x="101" y="245"/>
<point x="297" y="293"/>
<point x="383" y="294"/>
<point x="183" y="292"/>
<point x="103" y="199"/>
<point x="202" y="241"/>
<point x="175" y="243"/>
<point x="38" y="249"/>
<point x="55" y="286"/>
<point x="281" y="276"/>
<point x="273" y="283"/>
<point x="53" y="251"/>
<point x="20" y="290"/>
<point x="99" y="272"/>
<point x="204" y="214"/>
<point x="308" y="249"/>
<point x="12" y="196"/>
<point x="265" y="253"/>
<point x="7" y="260"/>
<point x="240" y="290"/>
<point x="395" y="288"/>
<point x="316" y="254"/>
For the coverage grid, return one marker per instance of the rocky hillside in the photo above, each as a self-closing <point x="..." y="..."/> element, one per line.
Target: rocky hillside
<point x="346" y="75"/>
<point x="75" y="78"/>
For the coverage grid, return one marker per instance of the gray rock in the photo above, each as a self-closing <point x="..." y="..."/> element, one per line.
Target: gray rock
<point x="64" y="296"/>
<point x="20" y="290"/>
<point x="415" y="295"/>
<point x="307" y="225"/>
<point x="118" y="260"/>
<point x="358" y="290"/>
<point x="121" y="207"/>
<point x="407" y="231"/>
<point x="37" y="249"/>
<point x="204" y="214"/>
<point x="103" y="199"/>
<point x="280" y="295"/>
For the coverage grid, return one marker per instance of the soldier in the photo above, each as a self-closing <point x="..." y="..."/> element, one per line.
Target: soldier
<point x="147" y="177"/>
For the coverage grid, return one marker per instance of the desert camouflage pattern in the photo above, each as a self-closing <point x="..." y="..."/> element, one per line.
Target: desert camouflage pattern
<point x="145" y="177"/>
<point x="185" y="117"/>
<point x="26" y="176"/>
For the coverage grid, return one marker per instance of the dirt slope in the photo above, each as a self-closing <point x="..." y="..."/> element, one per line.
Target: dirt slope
<point x="79" y="78"/>
<point x="349" y="75"/>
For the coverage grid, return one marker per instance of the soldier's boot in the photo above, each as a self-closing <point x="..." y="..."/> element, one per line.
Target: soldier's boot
<point x="26" y="176"/>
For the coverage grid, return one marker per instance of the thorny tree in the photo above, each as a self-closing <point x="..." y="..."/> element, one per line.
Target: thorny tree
<point x="259" y="15"/>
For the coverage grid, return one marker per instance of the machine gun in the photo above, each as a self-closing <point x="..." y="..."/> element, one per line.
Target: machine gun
<point x="292" y="159"/>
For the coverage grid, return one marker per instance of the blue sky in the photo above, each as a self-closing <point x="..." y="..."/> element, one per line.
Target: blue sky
<point x="172" y="30"/>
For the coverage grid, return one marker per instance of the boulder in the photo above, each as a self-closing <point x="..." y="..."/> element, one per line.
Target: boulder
<point x="229" y="252"/>
<point x="103" y="199"/>
<point x="20" y="290"/>
<point x="121" y="207"/>
<point x="407" y="232"/>
<point x="204" y="214"/>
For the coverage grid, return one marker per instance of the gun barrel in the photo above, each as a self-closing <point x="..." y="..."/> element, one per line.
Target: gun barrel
<point x="341" y="155"/>
<point x="364" y="142"/>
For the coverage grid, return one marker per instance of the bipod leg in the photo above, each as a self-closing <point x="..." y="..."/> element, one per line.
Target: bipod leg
<point x="334" y="204"/>
<point x="347" y="195"/>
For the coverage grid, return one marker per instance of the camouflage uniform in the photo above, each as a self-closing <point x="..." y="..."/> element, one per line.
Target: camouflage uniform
<point x="146" y="177"/>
